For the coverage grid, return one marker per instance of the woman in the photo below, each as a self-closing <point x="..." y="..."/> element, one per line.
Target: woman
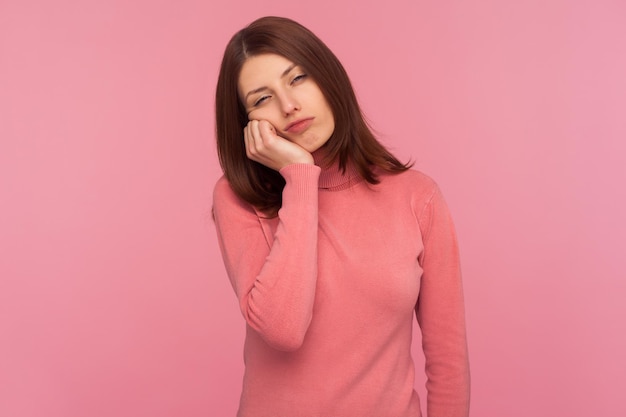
<point x="331" y="244"/>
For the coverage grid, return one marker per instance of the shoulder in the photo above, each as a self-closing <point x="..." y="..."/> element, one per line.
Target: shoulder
<point x="225" y="200"/>
<point x="413" y="182"/>
<point x="222" y="188"/>
<point x="415" y="188"/>
<point x="222" y="191"/>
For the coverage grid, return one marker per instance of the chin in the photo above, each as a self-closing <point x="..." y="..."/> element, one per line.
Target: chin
<point x="314" y="145"/>
<point x="312" y="148"/>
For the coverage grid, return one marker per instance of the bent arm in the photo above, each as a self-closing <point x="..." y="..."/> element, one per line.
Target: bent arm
<point x="440" y="314"/>
<point x="275" y="284"/>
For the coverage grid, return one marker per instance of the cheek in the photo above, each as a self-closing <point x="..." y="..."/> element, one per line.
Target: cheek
<point x="330" y="117"/>
<point x="256" y="115"/>
<point x="327" y="109"/>
<point x="267" y="112"/>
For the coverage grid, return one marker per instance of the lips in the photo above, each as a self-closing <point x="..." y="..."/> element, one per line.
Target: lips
<point x="299" y="126"/>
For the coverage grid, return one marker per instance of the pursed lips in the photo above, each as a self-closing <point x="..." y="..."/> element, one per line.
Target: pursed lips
<point x="299" y="126"/>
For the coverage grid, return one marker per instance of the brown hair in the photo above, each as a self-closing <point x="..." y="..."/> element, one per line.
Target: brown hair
<point x="351" y="142"/>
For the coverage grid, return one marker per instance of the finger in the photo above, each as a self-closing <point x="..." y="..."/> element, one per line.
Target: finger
<point x="255" y="141"/>
<point x="247" y="139"/>
<point x="257" y="138"/>
<point x="267" y="130"/>
<point x="251" y="136"/>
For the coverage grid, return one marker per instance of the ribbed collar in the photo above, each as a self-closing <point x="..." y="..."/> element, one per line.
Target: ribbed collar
<point x="331" y="177"/>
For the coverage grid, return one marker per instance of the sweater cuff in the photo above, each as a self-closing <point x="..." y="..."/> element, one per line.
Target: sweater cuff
<point x="302" y="179"/>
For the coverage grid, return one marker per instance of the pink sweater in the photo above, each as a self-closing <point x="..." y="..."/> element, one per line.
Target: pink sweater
<point x="328" y="290"/>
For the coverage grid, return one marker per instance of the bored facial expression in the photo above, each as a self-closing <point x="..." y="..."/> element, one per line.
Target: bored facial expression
<point x="273" y="88"/>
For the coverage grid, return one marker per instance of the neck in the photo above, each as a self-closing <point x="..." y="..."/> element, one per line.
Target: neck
<point x="333" y="178"/>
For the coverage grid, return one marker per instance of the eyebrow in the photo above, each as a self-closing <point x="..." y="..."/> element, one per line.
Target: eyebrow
<point x="258" y="90"/>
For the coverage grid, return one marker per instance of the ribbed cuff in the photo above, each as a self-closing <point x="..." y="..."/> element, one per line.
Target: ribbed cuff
<point x="301" y="179"/>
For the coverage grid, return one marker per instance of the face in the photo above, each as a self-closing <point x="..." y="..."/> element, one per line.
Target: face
<point x="275" y="89"/>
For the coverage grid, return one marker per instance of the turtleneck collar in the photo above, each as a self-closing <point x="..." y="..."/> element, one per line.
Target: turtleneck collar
<point x="332" y="178"/>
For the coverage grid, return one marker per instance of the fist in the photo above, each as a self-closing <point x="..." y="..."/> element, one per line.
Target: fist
<point x="263" y="145"/>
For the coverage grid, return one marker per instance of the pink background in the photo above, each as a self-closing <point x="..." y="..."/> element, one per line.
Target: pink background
<point x="113" y="297"/>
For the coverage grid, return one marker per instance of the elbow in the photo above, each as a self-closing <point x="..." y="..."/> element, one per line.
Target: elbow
<point x="285" y="336"/>
<point x="286" y="343"/>
<point x="280" y="330"/>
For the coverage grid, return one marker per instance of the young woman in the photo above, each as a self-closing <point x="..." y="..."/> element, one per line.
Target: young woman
<point x="330" y="243"/>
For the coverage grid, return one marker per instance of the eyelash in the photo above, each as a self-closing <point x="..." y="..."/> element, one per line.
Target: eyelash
<point x="296" y="79"/>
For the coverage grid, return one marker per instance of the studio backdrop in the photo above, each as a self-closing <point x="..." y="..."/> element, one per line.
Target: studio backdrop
<point x="113" y="296"/>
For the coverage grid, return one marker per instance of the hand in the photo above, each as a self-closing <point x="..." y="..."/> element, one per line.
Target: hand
<point x="263" y="145"/>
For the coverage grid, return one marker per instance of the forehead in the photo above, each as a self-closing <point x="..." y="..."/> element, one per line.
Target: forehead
<point x="259" y="70"/>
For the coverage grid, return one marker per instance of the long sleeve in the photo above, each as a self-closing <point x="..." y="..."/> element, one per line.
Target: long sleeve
<point x="274" y="279"/>
<point x="440" y="313"/>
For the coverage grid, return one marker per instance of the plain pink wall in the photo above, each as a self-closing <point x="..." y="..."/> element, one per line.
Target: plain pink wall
<point x="113" y="298"/>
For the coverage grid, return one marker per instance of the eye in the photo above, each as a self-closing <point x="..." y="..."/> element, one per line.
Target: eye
<point x="298" y="78"/>
<point x="261" y="100"/>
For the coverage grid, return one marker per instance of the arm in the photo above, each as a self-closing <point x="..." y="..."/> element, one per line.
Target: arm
<point x="275" y="285"/>
<point x="440" y="313"/>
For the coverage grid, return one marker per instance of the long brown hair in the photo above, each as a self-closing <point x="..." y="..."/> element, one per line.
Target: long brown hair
<point x="351" y="142"/>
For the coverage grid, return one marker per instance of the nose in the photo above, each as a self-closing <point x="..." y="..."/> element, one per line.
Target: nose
<point x="288" y="103"/>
